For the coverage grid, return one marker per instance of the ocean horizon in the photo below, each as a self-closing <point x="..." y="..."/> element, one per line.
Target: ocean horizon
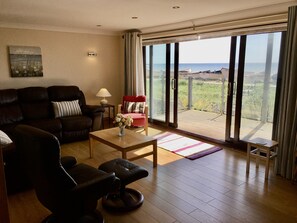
<point x="200" y="67"/>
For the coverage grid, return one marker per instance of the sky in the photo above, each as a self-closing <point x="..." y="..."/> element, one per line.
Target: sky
<point x="205" y="51"/>
<point x="217" y="50"/>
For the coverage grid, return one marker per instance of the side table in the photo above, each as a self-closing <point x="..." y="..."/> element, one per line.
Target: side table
<point x="262" y="149"/>
<point x="111" y="114"/>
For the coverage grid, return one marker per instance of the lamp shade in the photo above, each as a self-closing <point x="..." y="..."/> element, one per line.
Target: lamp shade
<point x="103" y="92"/>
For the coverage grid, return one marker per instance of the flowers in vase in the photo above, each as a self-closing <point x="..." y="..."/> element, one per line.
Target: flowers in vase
<point x="122" y="120"/>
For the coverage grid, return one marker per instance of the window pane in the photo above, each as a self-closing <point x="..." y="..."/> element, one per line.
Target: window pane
<point x="158" y="87"/>
<point x="202" y="86"/>
<point x="259" y="87"/>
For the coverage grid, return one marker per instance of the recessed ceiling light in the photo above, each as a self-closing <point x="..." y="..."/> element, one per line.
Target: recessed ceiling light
<point x="134" y="17"/>
<point x="175" y="7"/>
<point x="98" y="25"/>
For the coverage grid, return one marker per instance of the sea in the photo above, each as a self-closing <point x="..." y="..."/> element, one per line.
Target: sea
<point x="200" y="67"/>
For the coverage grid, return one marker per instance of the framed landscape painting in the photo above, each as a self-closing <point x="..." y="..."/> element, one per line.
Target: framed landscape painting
<point x="25" y="61"/>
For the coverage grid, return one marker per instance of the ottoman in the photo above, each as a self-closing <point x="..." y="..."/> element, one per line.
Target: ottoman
<point x="126" y="199"/>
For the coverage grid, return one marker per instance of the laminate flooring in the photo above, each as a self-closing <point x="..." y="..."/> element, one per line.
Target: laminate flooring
<point x="214" y="188"/>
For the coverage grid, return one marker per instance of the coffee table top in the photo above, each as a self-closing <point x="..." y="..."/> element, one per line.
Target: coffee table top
<point x="129" y="141"/>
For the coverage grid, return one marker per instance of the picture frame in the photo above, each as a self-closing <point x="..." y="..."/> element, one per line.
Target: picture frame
<point x="25" y="61"/>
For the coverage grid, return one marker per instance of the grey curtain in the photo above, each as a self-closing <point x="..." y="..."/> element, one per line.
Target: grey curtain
<point x="286" y="125"/>
<point x="134" y="80"/>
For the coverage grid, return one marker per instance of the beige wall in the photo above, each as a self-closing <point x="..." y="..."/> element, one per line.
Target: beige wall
<point x="65" y="61"/>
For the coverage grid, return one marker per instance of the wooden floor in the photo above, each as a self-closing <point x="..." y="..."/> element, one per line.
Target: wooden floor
<point x="214" y="188"/>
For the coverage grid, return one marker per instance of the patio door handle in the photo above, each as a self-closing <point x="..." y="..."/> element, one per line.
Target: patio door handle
<point x="229" y="88"/>
<point x="173" y="84"/>
<point x="230" y="91"/>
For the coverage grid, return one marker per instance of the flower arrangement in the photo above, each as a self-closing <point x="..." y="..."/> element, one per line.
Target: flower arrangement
<point x="121" y="120"/>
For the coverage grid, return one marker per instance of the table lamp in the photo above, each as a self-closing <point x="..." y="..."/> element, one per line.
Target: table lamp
<point x="103" y="92"/>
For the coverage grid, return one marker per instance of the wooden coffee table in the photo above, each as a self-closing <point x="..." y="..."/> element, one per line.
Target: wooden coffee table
<point x="130" y="141"/>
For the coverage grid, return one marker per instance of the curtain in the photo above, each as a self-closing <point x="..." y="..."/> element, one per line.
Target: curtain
<point x="134" y="80"/>
<point x="286" y="124"/>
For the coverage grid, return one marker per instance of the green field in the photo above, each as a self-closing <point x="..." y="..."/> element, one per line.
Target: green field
<point x="211" y="96"/>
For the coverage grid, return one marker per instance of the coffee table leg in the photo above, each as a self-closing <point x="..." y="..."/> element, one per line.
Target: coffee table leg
<point x="91" y="146"/>
<point x="155" y="155"/>
<point x="124" y="155"/>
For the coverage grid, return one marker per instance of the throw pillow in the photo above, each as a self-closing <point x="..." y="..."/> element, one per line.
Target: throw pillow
<point x="4" y="139"/>
<point x="134" y="107"/>
<point x="66" y="108"/>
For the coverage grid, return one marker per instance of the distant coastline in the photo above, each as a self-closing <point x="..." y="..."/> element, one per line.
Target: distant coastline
<point x="200" y="67"/>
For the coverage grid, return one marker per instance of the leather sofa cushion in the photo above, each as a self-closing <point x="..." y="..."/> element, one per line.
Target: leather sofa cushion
<point x="63" y="93"/>
<point x="50" y="125"/>
<point x="34" y="102"/>
<point x="8" y="96"/>
<point x="73" y="123"/>
<point x="10" y="114"/>
<point x="10" y="111"/>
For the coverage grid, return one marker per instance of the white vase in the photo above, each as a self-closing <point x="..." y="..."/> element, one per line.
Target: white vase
<point x="122" y="130"/>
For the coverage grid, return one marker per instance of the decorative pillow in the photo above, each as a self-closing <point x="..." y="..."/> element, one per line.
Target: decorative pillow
<point x="134" y="107"/>
<point x="4" y="139"/>
<point x="66" y="108"/>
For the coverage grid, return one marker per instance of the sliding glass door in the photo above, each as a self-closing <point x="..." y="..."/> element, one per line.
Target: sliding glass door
<point x="203" y="82"/>
<point x="160" y="72"/>
<point x="221" y="88"/>
<point x="252" y="81"/>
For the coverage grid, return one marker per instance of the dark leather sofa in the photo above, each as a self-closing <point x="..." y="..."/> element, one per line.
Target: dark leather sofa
<point x="33" y="106"/>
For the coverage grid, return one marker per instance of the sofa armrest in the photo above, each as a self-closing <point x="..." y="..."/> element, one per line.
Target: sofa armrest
<point x="90" y="110"/>
<point x="107" y="182"/>
<point x="68" y="161"/>
<point x="95" y="112"/>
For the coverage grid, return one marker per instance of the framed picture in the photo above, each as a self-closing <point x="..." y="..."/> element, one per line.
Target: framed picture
<point x="25" y="61"/>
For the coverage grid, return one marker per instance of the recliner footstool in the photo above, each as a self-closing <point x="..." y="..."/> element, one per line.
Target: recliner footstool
<point x="126" y="199"/>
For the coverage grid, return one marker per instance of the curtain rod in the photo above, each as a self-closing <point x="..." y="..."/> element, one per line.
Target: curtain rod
<point x="281" y="16"/>
<point x="218" y="32"/>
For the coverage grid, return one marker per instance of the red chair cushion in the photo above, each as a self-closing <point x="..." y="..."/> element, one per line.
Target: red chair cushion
<point x="138" y="119"/>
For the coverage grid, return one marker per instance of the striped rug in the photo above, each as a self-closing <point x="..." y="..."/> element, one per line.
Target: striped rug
<point x="184" y="146"/>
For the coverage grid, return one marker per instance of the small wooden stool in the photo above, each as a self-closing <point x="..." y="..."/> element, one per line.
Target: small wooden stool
<point x="263" y="149"/>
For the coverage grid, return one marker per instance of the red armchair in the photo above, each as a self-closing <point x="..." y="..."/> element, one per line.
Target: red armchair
<point x="136" y="107"/>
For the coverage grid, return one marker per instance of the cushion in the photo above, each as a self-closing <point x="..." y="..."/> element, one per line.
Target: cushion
<point x="66" y="108"/>
<point x="134" y="107"/>
<point x="139" y="119"/>
<point x="4" y="139"/>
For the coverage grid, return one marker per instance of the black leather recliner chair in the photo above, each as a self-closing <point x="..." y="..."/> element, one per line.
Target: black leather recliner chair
<point x="70" y="191"/>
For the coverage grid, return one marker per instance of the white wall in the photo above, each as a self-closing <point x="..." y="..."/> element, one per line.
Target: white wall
<point x="65" y="61"/>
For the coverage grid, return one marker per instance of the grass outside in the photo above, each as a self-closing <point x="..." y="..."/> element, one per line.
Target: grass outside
<point x="209" y="102"/>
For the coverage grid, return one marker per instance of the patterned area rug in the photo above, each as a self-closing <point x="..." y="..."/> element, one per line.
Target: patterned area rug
<point x="184" y="146"/>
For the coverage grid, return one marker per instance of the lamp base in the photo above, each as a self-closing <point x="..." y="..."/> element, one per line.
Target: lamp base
<point x="103" y="101"/>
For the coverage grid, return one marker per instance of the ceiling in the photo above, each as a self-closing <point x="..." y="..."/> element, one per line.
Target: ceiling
<point x="115" y="16"/>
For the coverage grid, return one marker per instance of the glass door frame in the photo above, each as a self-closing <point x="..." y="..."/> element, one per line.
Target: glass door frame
<point x="171" y="85"/>
<point x="235" y="87"/>
<point x="239" y="87"/>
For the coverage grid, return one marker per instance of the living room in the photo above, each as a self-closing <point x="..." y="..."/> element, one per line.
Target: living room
<point x="219" y="190"/>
